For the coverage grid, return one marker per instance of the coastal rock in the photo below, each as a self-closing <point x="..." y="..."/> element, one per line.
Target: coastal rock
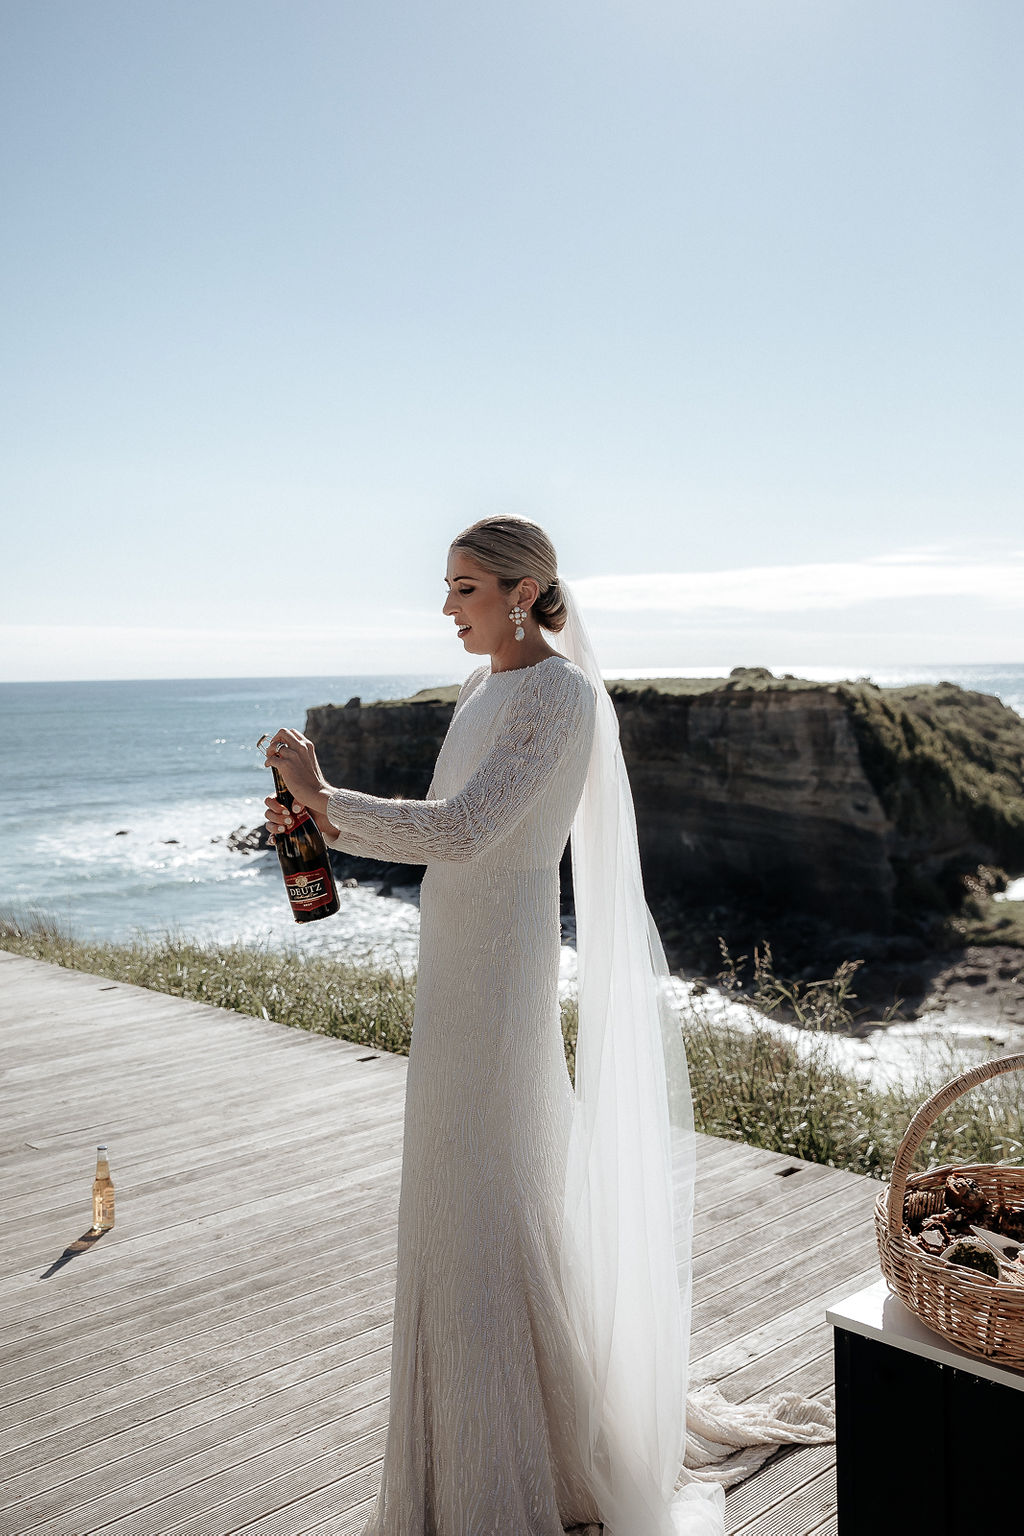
<point x="959" y="996"/>
<point x="843" y="799"/>
<point x="754" y="793"/>
<point x="386" y="748"/>
<point x="249" y="839"/>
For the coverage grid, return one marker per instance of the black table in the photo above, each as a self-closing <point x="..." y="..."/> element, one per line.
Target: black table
<point x="928" y="1438"/>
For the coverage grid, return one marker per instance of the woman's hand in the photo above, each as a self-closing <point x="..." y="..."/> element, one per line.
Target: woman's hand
<point x="277" y="818"/>
<point x="294" y="757"/>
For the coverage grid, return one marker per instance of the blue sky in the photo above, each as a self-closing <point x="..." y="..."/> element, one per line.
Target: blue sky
<point x="727" y="295"/>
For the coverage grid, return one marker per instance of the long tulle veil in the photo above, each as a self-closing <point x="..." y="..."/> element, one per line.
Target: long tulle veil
<point x="626" y="1242"/>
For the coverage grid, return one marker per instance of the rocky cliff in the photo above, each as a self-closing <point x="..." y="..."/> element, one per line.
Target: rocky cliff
<point x="841" y="799"/>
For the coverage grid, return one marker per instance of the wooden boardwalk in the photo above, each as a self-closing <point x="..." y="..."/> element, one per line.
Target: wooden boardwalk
<point x="217" y="1364"/>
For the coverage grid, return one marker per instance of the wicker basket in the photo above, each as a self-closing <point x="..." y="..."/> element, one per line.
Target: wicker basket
<point x="985" y="1317"/>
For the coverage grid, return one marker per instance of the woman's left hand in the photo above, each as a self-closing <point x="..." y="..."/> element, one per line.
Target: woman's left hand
<point x="294" y="757"/>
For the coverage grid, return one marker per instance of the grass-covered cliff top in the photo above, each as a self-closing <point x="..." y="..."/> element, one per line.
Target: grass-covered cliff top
<point x="443" y="695"/>
<point x="757" y="678"/>
<point x="969" y="715"/>
<point x="740" y="680"/>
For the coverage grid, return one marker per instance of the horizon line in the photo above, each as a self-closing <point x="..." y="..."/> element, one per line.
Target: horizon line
<point x="853" y="673"/>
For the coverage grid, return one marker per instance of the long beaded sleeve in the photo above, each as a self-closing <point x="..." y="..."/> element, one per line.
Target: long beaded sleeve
<point x="547" y="712"/>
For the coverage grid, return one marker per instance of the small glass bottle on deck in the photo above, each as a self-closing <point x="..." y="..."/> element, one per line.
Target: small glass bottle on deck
<point x="102" y="1194"/>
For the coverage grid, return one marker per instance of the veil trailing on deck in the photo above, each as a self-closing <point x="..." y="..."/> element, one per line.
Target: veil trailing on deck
<point x="625" y="1258"/>
<point x="626" y="1239"/>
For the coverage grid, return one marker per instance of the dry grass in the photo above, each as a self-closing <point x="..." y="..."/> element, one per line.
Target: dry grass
<point x="369" y="1004"/>
<point x="747" y="1085"/>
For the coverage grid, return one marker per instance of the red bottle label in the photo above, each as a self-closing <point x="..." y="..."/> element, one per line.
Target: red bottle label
<point x="308" y="889"/>
<point x="297" y="822"/>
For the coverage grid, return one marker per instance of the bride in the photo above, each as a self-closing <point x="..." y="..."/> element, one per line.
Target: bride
<point x="538" y="1375"/>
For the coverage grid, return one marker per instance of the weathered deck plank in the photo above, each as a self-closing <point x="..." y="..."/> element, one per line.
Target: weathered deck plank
<point x="218" y="1363"/>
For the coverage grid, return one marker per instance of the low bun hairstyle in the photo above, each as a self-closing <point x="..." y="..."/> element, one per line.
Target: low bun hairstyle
<point x="511" y="548"/>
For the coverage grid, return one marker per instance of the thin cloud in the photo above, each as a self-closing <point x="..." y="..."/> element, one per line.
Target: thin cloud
<point x="802" y="588"/>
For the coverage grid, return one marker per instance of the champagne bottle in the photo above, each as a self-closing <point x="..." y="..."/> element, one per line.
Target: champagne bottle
<point x="305" y="863"/>
<point x="102" y="1194"/>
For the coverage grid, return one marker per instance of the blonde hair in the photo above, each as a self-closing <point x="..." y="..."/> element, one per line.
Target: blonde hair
<point x="511" y="548"/>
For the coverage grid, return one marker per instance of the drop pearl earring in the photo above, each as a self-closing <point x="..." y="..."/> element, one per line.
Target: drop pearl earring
<point x="517" y="616"/>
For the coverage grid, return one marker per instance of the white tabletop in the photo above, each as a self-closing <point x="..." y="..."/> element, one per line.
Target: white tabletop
<point x="876" y="1313"/>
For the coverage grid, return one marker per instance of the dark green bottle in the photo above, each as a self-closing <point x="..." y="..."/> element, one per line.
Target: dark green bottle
<point x="305" y="863"/>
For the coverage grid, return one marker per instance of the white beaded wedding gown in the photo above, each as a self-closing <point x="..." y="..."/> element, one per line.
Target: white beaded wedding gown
<point x="482" y="1437"/>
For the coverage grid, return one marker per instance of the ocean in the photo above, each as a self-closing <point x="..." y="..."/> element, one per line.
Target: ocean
<point x="120" y="796"/>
